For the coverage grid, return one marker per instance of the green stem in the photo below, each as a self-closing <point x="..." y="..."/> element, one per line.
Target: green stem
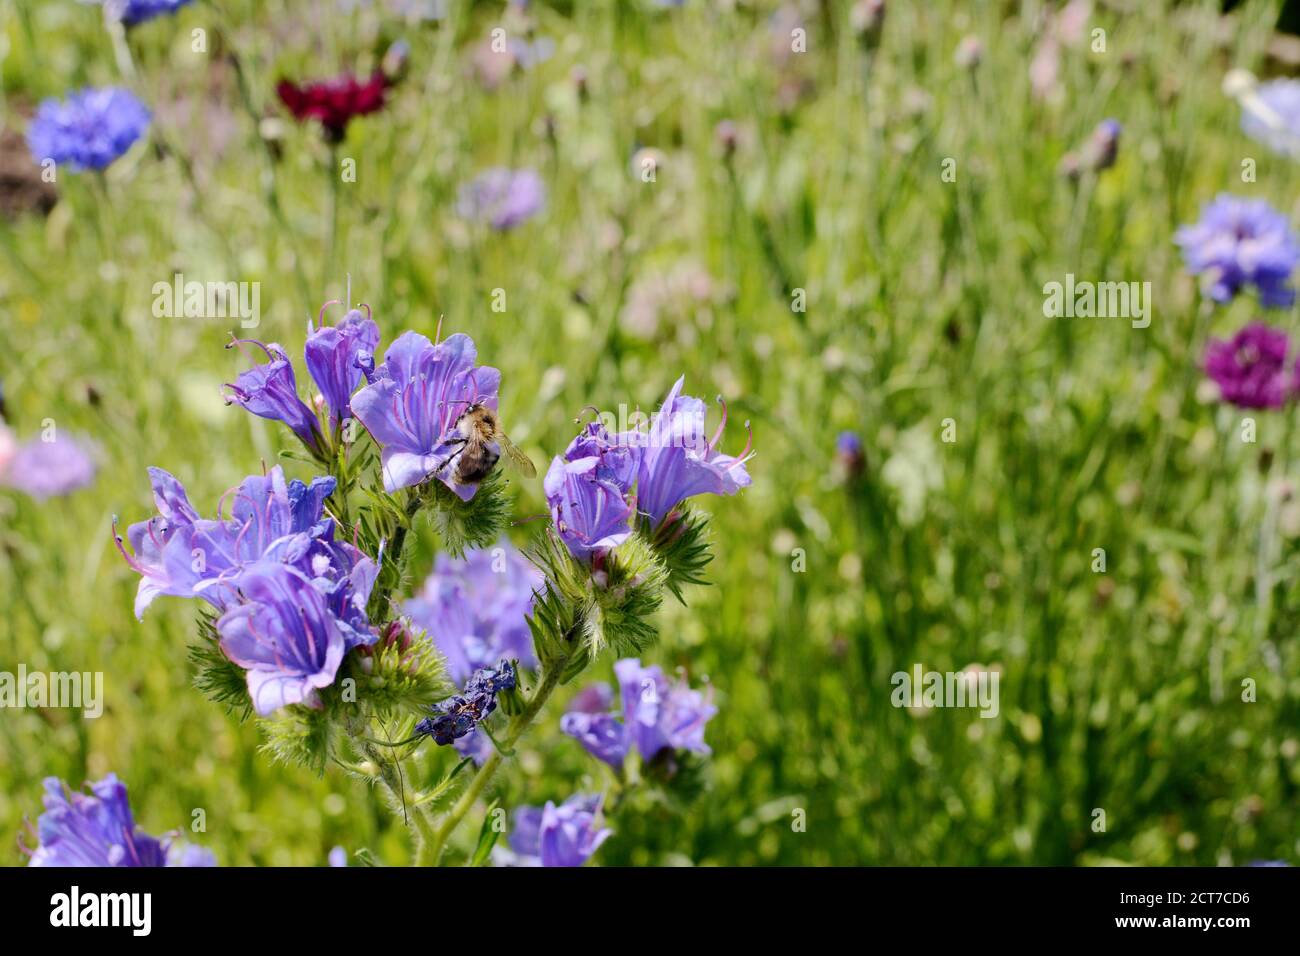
<point x="514" y="730"/>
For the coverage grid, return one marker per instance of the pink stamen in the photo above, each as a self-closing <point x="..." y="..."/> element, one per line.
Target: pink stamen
<point x="131" y="562"/>
<point x="320" y="317"/>
<point x="242" y="342"/>
<point x="717" y="435"/>
<point x="744" y="455"/>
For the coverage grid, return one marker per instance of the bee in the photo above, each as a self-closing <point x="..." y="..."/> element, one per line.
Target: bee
<point x="480" y="442"/>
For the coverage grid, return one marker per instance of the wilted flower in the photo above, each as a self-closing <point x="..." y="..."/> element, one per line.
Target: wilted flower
<point x="47" y="469"/>
<point x="1240" y="242"/>
<point x="476" y="608"/>
<point x="656" y="716"/>
<point x="566" y="835"/>
<point x="412" y="402"/>
<point x="334" y="102"/>
<point x="335" y="358"/>
<point x="89" y="130"/>
<point x="1256" y="368"/>
<point x="133" y="12"/>
<point x="271" y="391"/>
<point x="504" y="198"/>
<point x="458" y="715"/>
<point x="97" y="829"/>
<point x="849" y="451"/>
<point x="1097" y="154"/>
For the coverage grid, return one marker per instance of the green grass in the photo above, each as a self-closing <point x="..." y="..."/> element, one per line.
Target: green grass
<point x="1119" y="691"/>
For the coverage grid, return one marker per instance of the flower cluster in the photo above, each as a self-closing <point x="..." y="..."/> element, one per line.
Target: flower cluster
<point x="603" y="481"/>
<point x="88" y="130"/>
<point x="656" y="716"/>
<point x="1240" y="242"/>
<point x="564" y="835"/>
<point x="1256" y="368"/>
<point x="97" y="829"/>
<point x="476" y="608"/>
<point x="456" y="716"/>
<point x="292" y="598"/>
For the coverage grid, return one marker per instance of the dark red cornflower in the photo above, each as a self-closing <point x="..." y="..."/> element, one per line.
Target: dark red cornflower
<point x="334" y="102"/>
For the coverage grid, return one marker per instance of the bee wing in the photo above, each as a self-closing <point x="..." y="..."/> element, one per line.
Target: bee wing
<point x="517" y="458"/>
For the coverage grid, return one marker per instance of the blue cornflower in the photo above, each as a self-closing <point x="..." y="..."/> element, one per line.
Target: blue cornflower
<point x="133" y="12"/>
<point x="1240" y="242"/>
<point x="1271" y="115"/>
<point x="97" y="829"/>
<point x="89" y="130"/>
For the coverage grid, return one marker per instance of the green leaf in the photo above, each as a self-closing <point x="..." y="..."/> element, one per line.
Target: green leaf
<point x="476" y="523"/>
<point x="219" y="678"/>
<point x="682" y="545"/>
<point x="487" y="837"/>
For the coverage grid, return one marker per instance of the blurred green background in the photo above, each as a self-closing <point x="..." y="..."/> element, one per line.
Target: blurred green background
<point x="1119" y="691"/>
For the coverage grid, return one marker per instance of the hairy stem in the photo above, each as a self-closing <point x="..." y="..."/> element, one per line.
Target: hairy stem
<point x="514" y="730"/>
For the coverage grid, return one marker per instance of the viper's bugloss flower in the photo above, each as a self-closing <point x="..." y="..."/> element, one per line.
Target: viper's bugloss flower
<point x="1240" y="242"/>
<point x="503" y="198"/>
<point x="564" y="835"/>
<point x="1271" y="115"/>
<point x="48" y="469"/>
<point x="270" y="390"/>
<point x="89" y="129"/>
<point x="181" y="554"/>
<point x="677" y="463"/>
<point x="97" y="829"/>
<point x="476" y="608"/>
<point x="592" y="514"/>
<point x="336" y="357"/>
<point x="285" y="636"/>
<point x="656" y="715"/>
<point x="412" y="403"/>
<point x="133" y="12"/>
<point x="1256" y="368"/>
<point x="458" y="715"/>
<point x="334" y="102"/>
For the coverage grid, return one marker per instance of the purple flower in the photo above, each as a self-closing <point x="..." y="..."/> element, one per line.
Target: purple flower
<point x="1272" y="116"/>
<point x="504" y="198"/>
<point x="271" y="391"/>
<point x="411" y="406"/>
<point x="335" y="358"/>
<point x="1240" y="242"/>
<point x="285" y="636"/>
<point x="181" y="554"/>
<point x="566" y="835"/>
<point x="476" y="608"/>
<point x="97" y="829"/>
<point x="89" y="130"/>
<point x="591" y="514"/>
<point x="1252" y="368"/>
<point x="677" y="463"/>
<point x="132" y="12"/>
<point x="48" y="469"/>
<point x="850" y="452"/>
<point x="657" y="715"/>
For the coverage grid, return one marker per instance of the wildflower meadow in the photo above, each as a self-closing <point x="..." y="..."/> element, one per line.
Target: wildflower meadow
<point x="701" y="433"/>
